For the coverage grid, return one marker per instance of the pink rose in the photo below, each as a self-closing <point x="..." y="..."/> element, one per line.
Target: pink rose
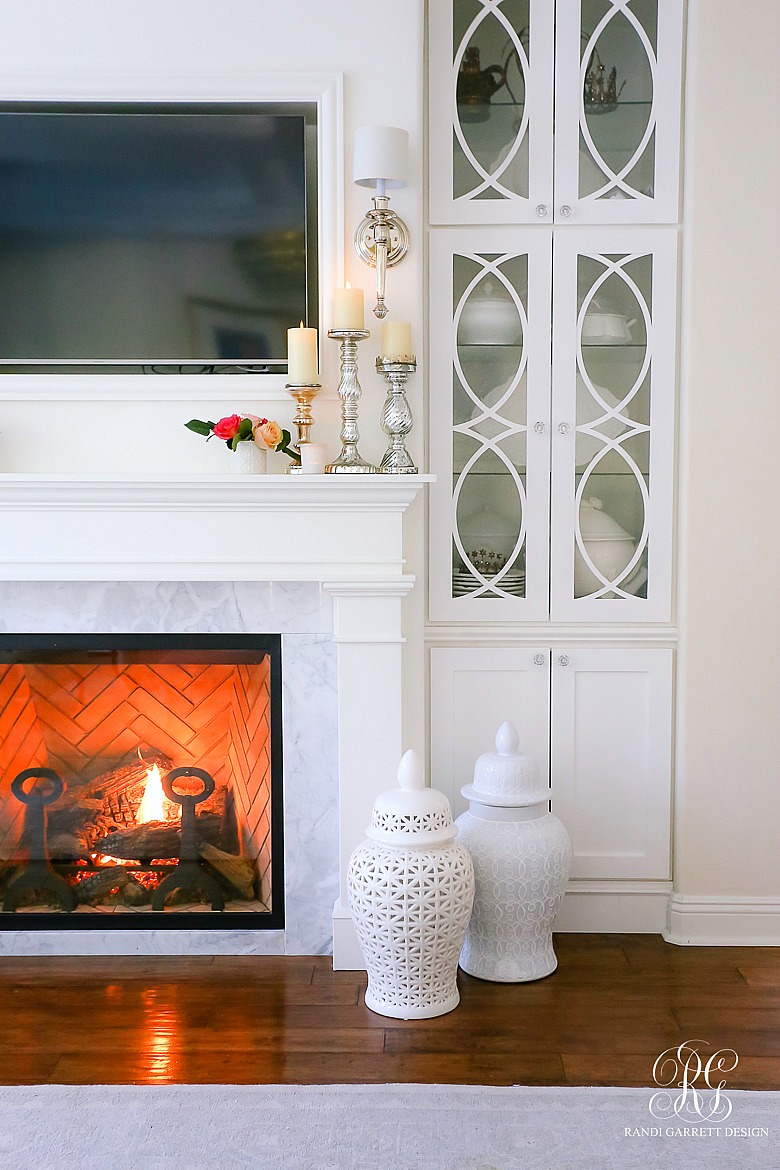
<point x="226" y="428"/>
<point x="268" y="434"/>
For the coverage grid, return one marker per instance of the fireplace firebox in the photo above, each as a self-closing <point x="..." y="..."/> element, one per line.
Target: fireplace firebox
<point x="141" y="780"/>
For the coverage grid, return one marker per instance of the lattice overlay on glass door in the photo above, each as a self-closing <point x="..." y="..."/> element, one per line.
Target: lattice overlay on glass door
<point x="489" y="429"/>
<point x="490" y="77"/>
<point x="612" y="441"/>
<point x="619" y="99"/>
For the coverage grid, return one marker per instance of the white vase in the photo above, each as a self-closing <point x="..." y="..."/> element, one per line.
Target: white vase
<point x="411" y="887"/>
<point x="252" y="460"/>
<point x="521" y="855"/>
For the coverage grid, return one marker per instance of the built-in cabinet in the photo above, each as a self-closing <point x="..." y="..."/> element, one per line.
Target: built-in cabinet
<point x="596" y="721"/>
<point x="554" y="206"/>
<point x="552" y="423"/>
<point x="529" y="124"/>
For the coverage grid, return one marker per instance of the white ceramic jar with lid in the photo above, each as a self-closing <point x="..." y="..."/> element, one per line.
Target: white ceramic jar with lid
<point x="410" y="886"/>
<point x="608" y="546"/>
<point x="521" y="854"/>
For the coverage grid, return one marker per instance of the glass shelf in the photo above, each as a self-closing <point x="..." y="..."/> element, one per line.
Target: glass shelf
<point x="493" y="105"/>
<point x="490" y="345"/>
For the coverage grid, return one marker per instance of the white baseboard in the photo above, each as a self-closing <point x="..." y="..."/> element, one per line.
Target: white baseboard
<point x="614" y="907"/>
<point x="589" y="907"/>
<point x="347" y="955"/>
<point x="697" y="920"/>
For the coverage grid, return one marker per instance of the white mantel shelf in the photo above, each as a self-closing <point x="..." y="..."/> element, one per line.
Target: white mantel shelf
<point x="205" y="527"/>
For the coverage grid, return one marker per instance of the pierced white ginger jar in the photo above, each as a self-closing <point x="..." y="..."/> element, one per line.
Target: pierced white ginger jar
<point x="410" y="887"/>
<point x="521" y="854"/>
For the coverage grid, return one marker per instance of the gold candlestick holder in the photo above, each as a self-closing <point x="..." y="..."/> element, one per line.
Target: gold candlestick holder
<point x="350" y="460"/>
<point x="397" y="418"/>
<point x="304" y="394"/>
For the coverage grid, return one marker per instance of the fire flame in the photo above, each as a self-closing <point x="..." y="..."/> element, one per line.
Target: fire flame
<point x="152" y="807"/>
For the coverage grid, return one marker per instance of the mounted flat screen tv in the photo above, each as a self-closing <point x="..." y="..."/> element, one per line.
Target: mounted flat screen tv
<point x="156" y="235"/>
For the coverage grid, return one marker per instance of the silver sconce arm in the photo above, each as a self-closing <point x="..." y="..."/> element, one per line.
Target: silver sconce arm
<point x="381" y="241"/>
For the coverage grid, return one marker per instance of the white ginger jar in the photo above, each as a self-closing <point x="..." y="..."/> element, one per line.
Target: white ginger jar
<point x="411" y="887"/>
<point x="521" y="854"/>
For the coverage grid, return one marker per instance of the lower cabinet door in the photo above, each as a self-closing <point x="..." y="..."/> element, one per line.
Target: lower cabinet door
<point x="611" y="759"/>
<point x="473" y="691"/>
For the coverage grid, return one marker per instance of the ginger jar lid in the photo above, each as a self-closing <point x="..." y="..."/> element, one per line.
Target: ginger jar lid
<point x="411" y="814"/>
<point x="505" y="778"/>
<point x="595" y="524"/>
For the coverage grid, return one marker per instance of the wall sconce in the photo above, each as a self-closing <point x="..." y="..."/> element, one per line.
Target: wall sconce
<point x="382" y="238"/>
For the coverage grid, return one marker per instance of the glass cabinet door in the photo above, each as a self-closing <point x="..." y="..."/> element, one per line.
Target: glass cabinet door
<point x="617" y="110"/>
<point x="490" y="93"/>
<point x="613" y="423"/>
<point x="490" y="386"/>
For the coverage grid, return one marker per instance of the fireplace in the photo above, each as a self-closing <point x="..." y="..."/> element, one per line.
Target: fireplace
<point x="141" y="779"/>
<point x="324" y="568"/>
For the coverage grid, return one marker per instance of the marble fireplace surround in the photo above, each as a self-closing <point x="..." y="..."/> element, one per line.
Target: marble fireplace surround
<point x="318" y="559"/>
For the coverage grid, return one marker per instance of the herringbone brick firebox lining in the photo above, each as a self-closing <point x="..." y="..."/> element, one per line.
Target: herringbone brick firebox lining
<point x="82" y="720"/>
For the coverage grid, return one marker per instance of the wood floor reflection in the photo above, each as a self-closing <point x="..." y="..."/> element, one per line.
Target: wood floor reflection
<point x="614" y="1004"/>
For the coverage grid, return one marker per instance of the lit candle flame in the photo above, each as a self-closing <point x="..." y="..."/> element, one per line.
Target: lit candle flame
<point x="152" y="807"/>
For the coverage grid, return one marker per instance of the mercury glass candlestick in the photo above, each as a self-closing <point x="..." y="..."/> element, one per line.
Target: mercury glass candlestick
<point x="304" y="395"/>
<point x="397" y="418"/>
<point x="350" y="459"/>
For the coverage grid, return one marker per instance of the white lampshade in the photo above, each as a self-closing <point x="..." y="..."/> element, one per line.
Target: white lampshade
<point x="381" y="152"/>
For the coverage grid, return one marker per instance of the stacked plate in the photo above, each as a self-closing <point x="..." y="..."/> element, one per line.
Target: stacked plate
<point x="464" y="583"/>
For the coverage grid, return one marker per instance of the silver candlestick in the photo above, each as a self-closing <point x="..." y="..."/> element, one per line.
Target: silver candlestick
<point x="397" y="418"/>
<point x="304" y="394"/>
<point x="350" y="459"/>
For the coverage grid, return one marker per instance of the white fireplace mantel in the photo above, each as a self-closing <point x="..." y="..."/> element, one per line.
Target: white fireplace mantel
<point x="345" y="532"/>
<point x="206" y="527"/>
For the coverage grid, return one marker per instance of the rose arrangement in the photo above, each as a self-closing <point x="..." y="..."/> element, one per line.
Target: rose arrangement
<point x="246" y="428"/>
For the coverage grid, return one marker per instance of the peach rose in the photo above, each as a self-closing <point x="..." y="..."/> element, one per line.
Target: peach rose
<point x="268" y="434"/>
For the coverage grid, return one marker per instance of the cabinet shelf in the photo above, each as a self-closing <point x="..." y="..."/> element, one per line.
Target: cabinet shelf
<point x="493" y="105"/>
<point x="624" y="347"/>
<point x="630" y="346"/>
<point x="469" y="345"/>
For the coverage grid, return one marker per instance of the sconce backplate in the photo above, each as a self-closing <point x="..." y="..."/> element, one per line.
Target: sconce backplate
<point x="397" y="235"/>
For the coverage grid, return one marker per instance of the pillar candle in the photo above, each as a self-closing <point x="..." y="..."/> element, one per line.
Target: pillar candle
<point x="396" y="339"/>
<point x="302" y="367"/>
<point x="348" y="308"/>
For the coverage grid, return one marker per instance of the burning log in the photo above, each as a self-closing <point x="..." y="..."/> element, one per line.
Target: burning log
<point x="157" y="839"/>
<point x="108" y="800"/>
<point x="237" y="872"/>
<point x="132" y="893"/>
<point x="184" y="897"/>
<point x="70" y="846"/>
<point x="73" y="815"/>
<point x="102" y="882"/>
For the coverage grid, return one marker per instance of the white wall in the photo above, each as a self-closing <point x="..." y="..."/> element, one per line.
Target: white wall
<point x="94" y="39"/>
<point x="728" y="782"/>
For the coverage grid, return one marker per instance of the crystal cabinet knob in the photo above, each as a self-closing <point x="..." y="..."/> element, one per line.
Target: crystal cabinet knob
<point x="542" y="210"/>
<point x="563" y="660"/>
<point x="564" y="428"/>
<point x="565" y="210"/>
<point x="539" y="427"/>
<point x="539" y="659"/>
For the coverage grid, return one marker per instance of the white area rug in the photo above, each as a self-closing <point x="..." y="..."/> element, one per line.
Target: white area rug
<point x="382" y="1127"/>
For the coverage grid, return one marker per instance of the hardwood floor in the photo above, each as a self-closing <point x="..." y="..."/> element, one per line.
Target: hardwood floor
<point x="614" y="1004"/>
